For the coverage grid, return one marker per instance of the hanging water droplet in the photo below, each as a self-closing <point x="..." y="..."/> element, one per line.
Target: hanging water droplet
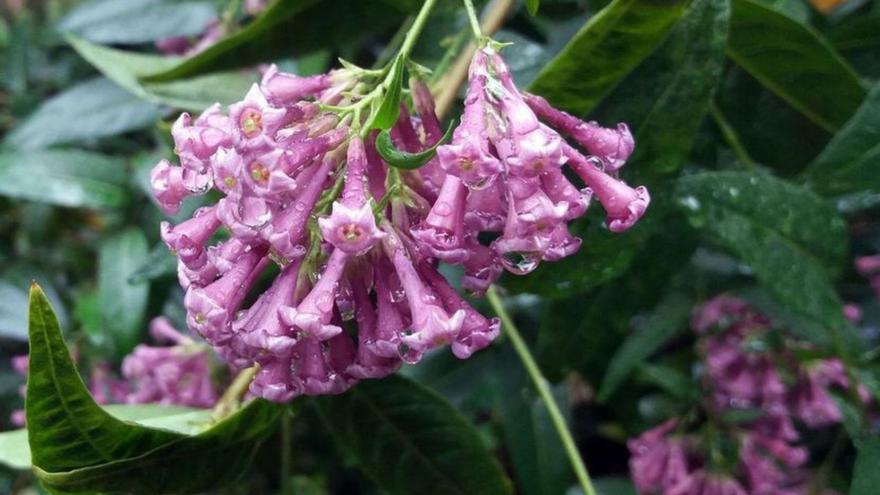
<point x="520" y="263"/>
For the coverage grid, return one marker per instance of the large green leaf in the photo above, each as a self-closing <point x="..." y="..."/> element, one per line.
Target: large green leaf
<point x="434" y="449"/>
<point x="665" y="99"/>
<point x="16" y="453"/>
<point x="851" y="161"/>
<point x="610" y="45"/>
<point x="64" y="178"/>
<point x="795" y="62"/>
<point x="124" y="21"/>
<point x="668" y="320"/>
<point x="533" y="445"/>
<point x="126" y="68"/>
<point x="293" y="27"/>
<point x="89" y="110"/>
<point x="792" y="239"/>
<point x="66" y="429"/>
<point x="866" y="476"/>
<point x="122" y="303"/>
<point x="78" y="447"/>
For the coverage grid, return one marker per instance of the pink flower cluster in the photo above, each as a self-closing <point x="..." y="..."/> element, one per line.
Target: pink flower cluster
<point x="741" y="374"/>
<point x="353" y="246"/>
<point x="179" y="374"/>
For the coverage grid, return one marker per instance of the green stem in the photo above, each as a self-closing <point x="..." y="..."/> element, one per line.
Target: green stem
<point x="473" y="18"/>
<point x="231" y="399"/>
<point x="394" y="44"/>
<point x="730" y="136"/>
<point x="522" y="350"/>
<point x="418" y="24"/>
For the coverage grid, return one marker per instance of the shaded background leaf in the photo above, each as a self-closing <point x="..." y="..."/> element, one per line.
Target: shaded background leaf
<point x="794" y="62"/>
<point x="437" y="450"/>
<point x="126" y="22"/>
<point x="64" y="178"/>
<point x="122" y="303"/>
<point x="89" y="110"/>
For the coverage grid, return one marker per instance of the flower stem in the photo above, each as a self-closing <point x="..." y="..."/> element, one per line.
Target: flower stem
<point x="231" y="399"/>
<point x="730" y="136"/>
<point x="447" y="87"/>
<point x="473" y="18"/>
<point x="413" y="35"/>
<point x="522" y="350"/>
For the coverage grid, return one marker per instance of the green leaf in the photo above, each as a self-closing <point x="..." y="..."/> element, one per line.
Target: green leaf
<point x="122" y="303"/>
<point x="851" y="161"/>
<point x="389" y="108"/>
<point x="79" y="447"/>
<point x="66" y="429"/>
<point x="124" y="22"/>
<point x="667" y="321"/>
<point x="665" y="99"/>
<point x="793" y="240"/>
<point x="64" y="178"/>
<point x="89" y="110"/>
<point x="293" y="27"/>
<point x="614" y="486"/>
<point x="866" y="476"/>
<point x="536" y="452"/>
<point x="126" y="68"/>
<point x="435" y="450"/>
<point x="16" y="453"/>
<point x="674" y="382"/>
<point x="533" y="6"/>
<point x="794" y="62"/>
<point x="158" y="263"/>
<point x="403" y="159"/>
<point x="610" y="45"/>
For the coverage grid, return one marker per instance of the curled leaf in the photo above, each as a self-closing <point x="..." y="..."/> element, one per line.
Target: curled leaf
<point x="406" y="160"/>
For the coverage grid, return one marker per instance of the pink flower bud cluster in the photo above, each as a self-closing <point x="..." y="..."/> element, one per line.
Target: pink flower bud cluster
<point x="741" y="374"/>
<point x="340" y="253"/>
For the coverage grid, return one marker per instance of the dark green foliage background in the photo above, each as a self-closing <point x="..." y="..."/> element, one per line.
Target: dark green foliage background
<point x="757" y="125"/>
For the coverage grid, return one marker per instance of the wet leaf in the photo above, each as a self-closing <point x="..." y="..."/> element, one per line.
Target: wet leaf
<point x="610" y="45"/>
<point x="795" y="62"/>
<point x="793" y="240"/>
<point x="76" y="446"/>
<point x="435" y="449"/>
<point x="851" y="161"/>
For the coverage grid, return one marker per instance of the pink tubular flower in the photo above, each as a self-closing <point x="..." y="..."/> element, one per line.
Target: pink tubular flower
<point x="312" y="316"/>
<point x="657" y="462"/>
<point x="347" y="250"/>
<point x="177" y="375"/>
<point x="352" y="226"/>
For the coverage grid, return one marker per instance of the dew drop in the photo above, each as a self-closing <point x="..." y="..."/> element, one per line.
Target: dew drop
<point x="520" y="263"/>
